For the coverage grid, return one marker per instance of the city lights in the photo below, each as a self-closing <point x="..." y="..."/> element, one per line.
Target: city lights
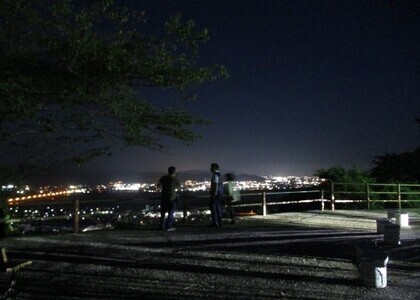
<point x="50" y="193"/>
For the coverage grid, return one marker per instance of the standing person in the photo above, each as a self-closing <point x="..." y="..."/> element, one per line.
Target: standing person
<point x="216" y="194"/>
<point x="170" y="186"/>
<point x="232" y="195"/>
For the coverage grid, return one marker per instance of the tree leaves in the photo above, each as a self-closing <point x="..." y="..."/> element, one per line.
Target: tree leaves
<point x="73" y="69"/>
<point x="403" y="167"/>
<point x="340" y="174"/>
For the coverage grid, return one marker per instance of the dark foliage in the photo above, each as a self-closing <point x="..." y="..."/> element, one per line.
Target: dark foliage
<point x="404" y="167"/>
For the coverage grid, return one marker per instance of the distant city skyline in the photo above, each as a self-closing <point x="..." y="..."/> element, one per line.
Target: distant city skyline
<point x="24" y="194"/>
<point x="89" y="176"/>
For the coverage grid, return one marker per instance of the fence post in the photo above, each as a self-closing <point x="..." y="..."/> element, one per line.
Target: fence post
<point x="264" y="206"/>
<point x="322" y="200"/>
<point x="367" y="195"/>
<point x="399" y="196"/>
<point x="332" y="196"/>
<point x="76" y="215"/>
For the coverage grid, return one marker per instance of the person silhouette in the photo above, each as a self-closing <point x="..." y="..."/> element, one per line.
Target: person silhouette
<point x="170" y="186"/>
<point x="216" y="194"/>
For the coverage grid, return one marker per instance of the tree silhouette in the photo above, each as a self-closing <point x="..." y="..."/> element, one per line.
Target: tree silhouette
<point x="76" y="79"/>
<point x="403" y="167"/>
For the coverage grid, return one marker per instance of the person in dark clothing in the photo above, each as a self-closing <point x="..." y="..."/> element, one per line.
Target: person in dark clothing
<point x="216" y="194"/>
<point x="170" y="186"/>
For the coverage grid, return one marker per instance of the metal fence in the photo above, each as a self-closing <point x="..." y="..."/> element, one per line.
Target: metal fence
<point x="338" y="193"/>
<point x="371" y="193"/>
<point x="265" y="197"/>
<point x="328" y="197"/>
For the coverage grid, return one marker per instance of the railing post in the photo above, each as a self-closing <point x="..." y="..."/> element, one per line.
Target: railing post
<point x="368" y="195"/>
<point x="332" y="196"/>
<point x="264" y="204"/>
<point x="322" y="200"/>
<point x="76" y="215"/>
<point x="399" y="196"/>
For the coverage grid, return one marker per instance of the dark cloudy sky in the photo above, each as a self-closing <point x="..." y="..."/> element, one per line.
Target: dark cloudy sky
<point x="312" y="84"/>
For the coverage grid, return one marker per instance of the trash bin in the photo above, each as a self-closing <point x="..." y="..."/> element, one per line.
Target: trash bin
<point x="402" y="219"/>
<point x="392" y="234"/>
<point x="380" y="225"/>
<point x="373" y="270"/>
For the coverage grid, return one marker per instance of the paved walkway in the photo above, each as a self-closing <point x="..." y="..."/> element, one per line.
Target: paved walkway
<point x="307" y="255"/>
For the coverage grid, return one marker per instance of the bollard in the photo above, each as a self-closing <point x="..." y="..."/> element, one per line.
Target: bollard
<point x="402" y="219"/>
<point x="264" y="204"/>
<point x="392" y="234"/>
<point x="373" y="271"/>
<point x="372" y="264"/>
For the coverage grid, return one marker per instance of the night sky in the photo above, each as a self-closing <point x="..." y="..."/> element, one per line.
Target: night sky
<point x="313" y="84"/>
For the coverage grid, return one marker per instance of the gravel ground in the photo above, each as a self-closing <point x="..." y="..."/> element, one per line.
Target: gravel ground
<point x="306" y="255"/>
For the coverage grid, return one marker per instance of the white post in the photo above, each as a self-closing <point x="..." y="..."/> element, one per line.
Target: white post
<point x="264" y="204"/>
